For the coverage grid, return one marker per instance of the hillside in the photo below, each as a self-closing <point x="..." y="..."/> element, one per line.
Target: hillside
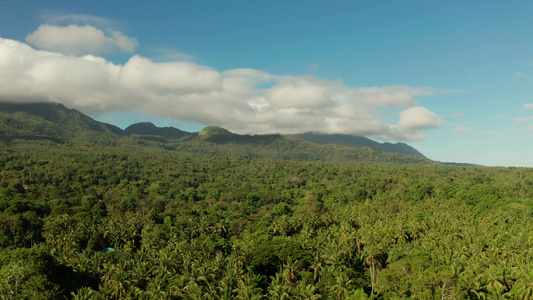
<point x="56" y="123"/>
<point x="218" y="141"/>
<point x="50" y="121"/>
<point x="147" y="128"/>
<point x="353" y="140"/>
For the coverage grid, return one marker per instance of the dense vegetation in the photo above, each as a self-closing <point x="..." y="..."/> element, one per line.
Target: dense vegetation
<point x="198" y="226"/>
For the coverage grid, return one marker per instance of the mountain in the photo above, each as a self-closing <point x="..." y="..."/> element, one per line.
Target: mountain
<point x="54" y="122"/>
<point x="215" y="140"/>
<point x="147" y="128"/>
<point x="353" y="140"/>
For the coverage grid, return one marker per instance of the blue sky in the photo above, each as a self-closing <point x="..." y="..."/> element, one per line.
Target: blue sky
<point x="454" y="79"/>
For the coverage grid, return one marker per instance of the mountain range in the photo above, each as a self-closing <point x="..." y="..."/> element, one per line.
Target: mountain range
<point x="56" y="123"/>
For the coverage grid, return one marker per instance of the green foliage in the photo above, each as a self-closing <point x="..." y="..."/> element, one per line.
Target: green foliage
<point x="32" y="274"/>
<point x="188" y="226"/>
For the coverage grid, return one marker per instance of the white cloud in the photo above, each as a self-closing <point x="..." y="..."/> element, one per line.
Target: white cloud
<point x="392" y="96"/>
<point x="302" y="93"/>
<point x="457" y="115"/>
<point x="490" y="132"/>
<point x="461" y="129"/>
<point x="528" y="106"/>
<point x="171" y="78"/>
<point x="419" y="117"/>
<point x="241" y="100"/>
<point x="56" y="17"/>
<point x="79" y="40"/>
<point x="30" y="75"/>
<point x="519" y="120"/>
<point x="243" y="83"/>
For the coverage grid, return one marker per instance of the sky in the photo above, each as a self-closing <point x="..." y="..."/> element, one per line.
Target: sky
<point x="454" y="79"/>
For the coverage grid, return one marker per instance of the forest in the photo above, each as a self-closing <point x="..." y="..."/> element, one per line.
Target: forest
<point x="201" y="226"/>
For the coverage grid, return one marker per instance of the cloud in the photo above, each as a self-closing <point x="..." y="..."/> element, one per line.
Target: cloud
<point x="241" y="100"/>
<point x="391" y="96"/>
<point x="523" y="76"/>
<point x="461" y="129"/>
<point x="302" y="93"/>
<point x="418" y="118"/>
<point x="79" y="40"/>
<point x="490" y="132"/>
<point x="528" y="106"/>
<point x="171" y="78"/>
<point x="519" y="120"/>
<point x="60" y="18"/>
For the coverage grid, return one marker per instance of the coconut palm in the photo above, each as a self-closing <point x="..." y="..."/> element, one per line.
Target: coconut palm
<point x="278" y="288"/>
<point x="247" y="289"/>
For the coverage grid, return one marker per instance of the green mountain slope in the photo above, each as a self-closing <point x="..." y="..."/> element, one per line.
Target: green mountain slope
<point x="51" y="121"/>
<point x="353" y="140"/>
<point x="219" y="141"/>
<point x="147" y="128"/>
<point x="56" y="123"/>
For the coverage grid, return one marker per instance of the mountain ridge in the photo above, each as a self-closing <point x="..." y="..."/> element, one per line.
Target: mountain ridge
<point x="52" y="120"/>
<point x="354" y="140"/>
<point x="57" y="123"/>
<point x="148" y="128"/>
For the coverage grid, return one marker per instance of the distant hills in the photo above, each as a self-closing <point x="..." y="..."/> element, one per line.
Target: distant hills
<point x="221" y="135"/>
<point x="56" y="123"/>
<point x="147" y="128"/>
<point x="50" y="121"/>
<point x="353" y="140"/>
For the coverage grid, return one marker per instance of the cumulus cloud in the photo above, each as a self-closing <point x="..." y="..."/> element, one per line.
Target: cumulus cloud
<point x="241" y="100"/>
<point x="171" y="78"/>
<point x="79" y="40"/>
<point x="302" y="93"/>
<point x="528" y="106"/>
<point x="419" y="117"/>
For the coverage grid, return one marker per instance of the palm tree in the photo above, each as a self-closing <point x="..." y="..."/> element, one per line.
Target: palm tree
<point x="278" y="289"/>
<point x="370" y="259"/>
<point x="306" y="292"/>
<point x="247" y="289"/>
<point x="524" y="285"/>
<point x="85" y="293"/>
<point x="495" y="281"/>
<point x="317" y="266"/>
<point x="341" y="286"/>
<point x="140" y="273"/>
<point x="289" y="269"/>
